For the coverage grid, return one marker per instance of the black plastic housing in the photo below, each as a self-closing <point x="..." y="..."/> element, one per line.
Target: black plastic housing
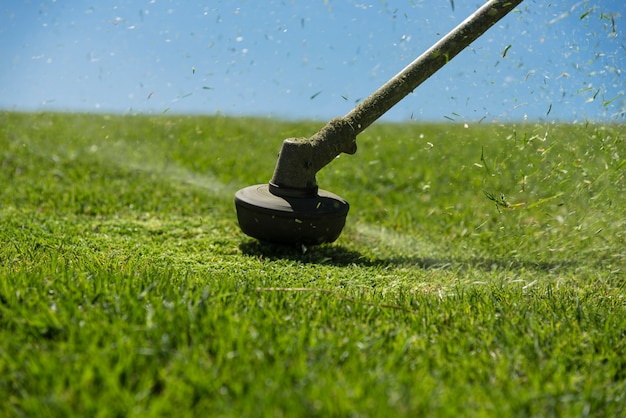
<point x="312" y="220"/>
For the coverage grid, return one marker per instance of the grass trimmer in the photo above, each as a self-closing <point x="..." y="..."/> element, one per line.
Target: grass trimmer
<point x="291" y="209"/>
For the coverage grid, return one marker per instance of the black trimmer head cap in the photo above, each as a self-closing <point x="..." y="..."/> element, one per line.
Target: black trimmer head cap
<point x="310" y="220"/>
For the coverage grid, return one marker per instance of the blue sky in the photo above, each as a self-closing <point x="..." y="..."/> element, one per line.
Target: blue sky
<point x="312" y="59"/>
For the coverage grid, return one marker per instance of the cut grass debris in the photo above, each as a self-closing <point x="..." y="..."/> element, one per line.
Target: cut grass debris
<point x="481" y="272"/>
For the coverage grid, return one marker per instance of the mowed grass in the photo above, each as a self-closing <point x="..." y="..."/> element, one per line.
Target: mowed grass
<point x="481" y="272"/>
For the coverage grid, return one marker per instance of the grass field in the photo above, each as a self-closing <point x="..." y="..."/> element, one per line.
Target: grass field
<point x="482" y="272"/>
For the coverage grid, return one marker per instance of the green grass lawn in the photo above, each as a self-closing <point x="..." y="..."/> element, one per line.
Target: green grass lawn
<point x="482" y="272"/>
